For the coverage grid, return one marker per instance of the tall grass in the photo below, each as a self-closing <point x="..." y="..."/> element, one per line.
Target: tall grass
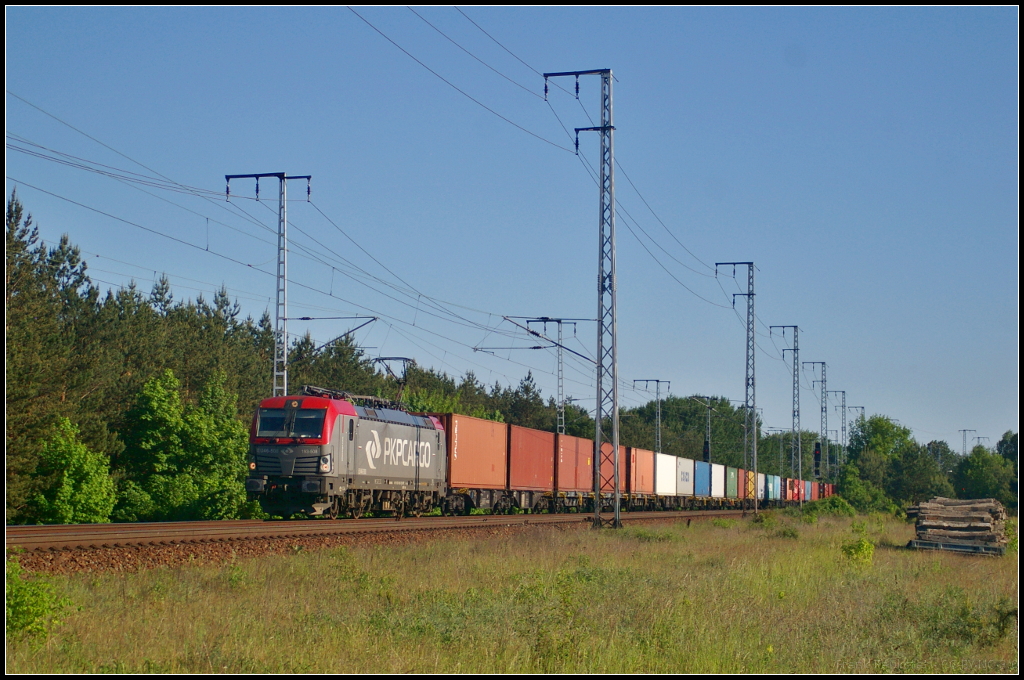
<point x="657" y="599"/>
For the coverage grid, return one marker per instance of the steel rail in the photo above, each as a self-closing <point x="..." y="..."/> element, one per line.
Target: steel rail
<point x="69" y="536"/>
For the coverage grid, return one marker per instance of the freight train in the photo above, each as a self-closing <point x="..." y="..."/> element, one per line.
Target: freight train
<point x="324" y="453"/>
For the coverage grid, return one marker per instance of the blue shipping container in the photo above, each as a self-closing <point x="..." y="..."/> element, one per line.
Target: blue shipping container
<point x="701" y="479"/>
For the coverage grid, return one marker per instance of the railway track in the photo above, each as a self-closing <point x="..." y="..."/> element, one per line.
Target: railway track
<point x="85" y="536"/>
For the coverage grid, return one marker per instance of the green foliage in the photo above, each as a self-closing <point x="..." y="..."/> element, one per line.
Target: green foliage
<point x="1012" y="536"/>
<point x="724" y="522"/>
<point x="879" y="434"/>
<point x="32" y="607"/>
<point x="183" y="461"/>
<point x="787" y="532"/>
<point x="834" y="506"/>
<point x="950" y="619"/>
<point x="80" y="489"/>
<point x="861" y="493"/>
<point x="1007" y="448"/>
<point x="915" y="476"/>
<point x="860" y="551"/>
<point x="424" y="401"/>
<point x="986" y="475"/>
<point x="766" y="519"/>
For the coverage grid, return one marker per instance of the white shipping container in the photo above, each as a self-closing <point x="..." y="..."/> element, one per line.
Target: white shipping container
<point x="717" y="480"/>
<point x="664" y="474"/>
<point x="684" y="476"/>
<point x="760" y="486"/>
<point x="777" y="495"/>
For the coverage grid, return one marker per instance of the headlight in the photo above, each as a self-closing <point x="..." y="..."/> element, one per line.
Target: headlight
<point x="325" y="463"/>
<point x="252" y="465"/>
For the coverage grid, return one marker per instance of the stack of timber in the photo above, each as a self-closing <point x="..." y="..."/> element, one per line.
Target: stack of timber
<point x="976" y="526"/>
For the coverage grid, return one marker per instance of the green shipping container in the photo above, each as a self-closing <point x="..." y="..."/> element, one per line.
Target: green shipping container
<point x="730" y="482"/>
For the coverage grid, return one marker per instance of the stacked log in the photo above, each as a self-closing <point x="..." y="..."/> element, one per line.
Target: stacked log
<point x="962" y="524"/>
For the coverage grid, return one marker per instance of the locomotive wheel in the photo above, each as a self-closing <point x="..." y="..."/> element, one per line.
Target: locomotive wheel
<point x="332" y="512"/>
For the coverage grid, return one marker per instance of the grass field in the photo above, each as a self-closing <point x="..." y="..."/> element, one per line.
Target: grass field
<point x="723" y="596"/>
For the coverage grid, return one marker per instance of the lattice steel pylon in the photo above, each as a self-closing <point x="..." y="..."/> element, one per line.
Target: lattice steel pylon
<point x="281" y="313"/>
<point x="796" y="453"/>
<point x="607" y="325"/>
<point x="750" y="401"/>
<point x="840" y="459"/>
<point x="824" y="409"/>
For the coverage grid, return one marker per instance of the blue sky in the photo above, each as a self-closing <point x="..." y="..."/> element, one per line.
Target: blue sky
<point x="865" y="159"/>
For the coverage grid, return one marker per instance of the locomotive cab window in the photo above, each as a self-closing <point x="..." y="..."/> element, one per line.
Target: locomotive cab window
<point x="309" y="422"/>
<point x="301" y="423"/>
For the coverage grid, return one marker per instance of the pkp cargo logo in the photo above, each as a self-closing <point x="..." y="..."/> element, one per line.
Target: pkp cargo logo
<point x="373" y="449"/>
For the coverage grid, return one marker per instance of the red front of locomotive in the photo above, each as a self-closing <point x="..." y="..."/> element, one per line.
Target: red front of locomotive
<point x="296" y="446"/>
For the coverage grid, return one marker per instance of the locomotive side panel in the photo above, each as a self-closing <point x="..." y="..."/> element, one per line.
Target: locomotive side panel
<point x="392" y="456"/>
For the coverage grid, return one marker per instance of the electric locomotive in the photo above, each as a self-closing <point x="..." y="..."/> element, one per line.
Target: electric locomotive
<point x="325" y="453"/>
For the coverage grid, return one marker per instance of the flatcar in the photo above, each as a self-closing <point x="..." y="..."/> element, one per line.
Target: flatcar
<point x="328" y="453"/>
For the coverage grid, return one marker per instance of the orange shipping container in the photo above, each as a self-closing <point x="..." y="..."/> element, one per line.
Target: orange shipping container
<point x="575" y="464"/>
<point x="531" y="459"/>
<point x="477" y="452"/>
<point x="641" y="471"/>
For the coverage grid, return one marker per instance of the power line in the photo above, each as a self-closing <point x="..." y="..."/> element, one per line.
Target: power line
<point x="457" y="88"/>
<point x="449" y="39"/>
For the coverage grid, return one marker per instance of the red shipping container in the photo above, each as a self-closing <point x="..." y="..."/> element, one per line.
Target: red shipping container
<point x="741" y="483"/>
<point x="608" y="468"/>
<point x="477" y="452"/>
<point x="641" y="472"/>
<point x="814" y="491"/>
<point x="531" y="462"/>
<point x="575" y="460"/>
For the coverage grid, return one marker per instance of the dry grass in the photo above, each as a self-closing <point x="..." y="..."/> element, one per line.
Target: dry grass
<point x="773" y="597"/>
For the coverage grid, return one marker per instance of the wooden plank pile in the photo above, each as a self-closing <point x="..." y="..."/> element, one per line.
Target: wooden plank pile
<point x="961" y="525"/>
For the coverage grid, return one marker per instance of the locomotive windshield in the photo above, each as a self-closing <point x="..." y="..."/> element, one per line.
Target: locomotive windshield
<point x="298" y="423"/>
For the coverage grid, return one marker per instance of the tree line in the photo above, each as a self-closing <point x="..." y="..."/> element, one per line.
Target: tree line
<point x="132" y="406"/>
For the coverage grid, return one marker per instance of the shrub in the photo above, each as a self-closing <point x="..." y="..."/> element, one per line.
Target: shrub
<point x="833" y="505"/>
<point x="32" y="607"/>
<point x="860" y="551"/>
<point x="766" y="520"/>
